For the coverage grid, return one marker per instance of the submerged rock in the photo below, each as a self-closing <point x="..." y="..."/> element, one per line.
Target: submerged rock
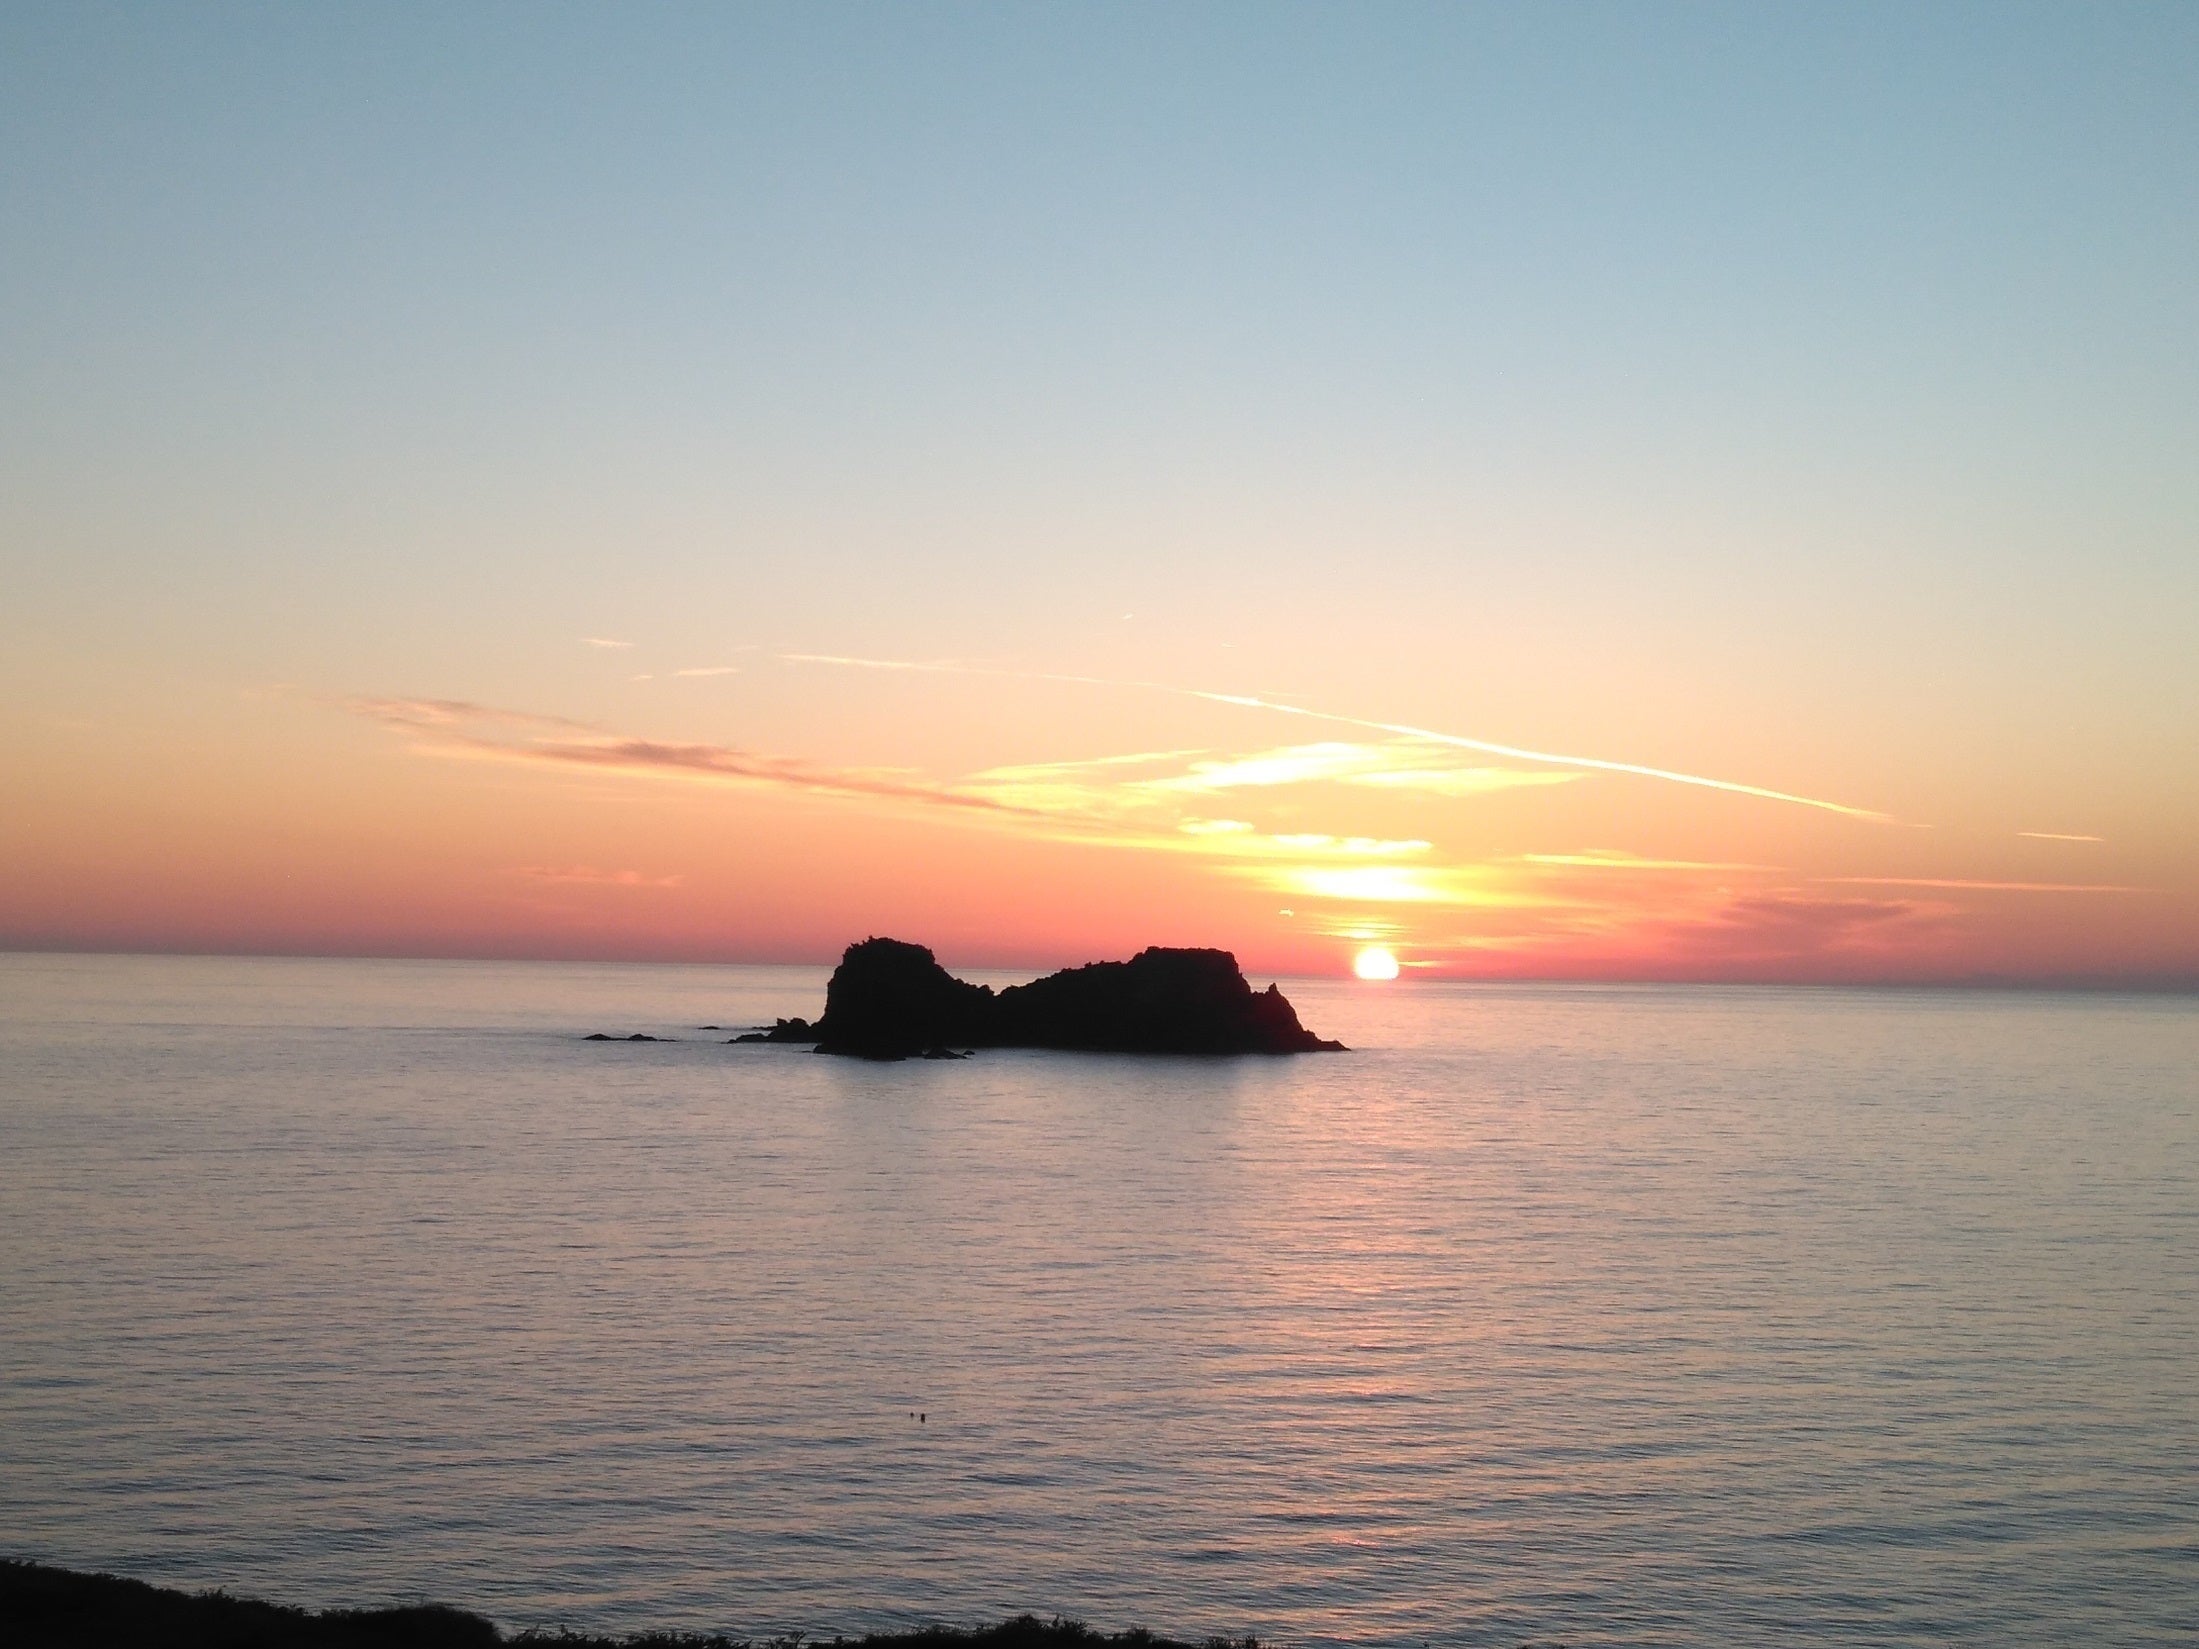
<point x="892" y="1000"/>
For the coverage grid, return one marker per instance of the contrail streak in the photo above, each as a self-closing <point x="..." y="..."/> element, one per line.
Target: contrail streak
<point x="1984" y="887"/>
<point x="1548" y="758"/>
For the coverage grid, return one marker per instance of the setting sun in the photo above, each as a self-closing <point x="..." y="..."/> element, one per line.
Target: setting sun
<point x="1375" y="963"/>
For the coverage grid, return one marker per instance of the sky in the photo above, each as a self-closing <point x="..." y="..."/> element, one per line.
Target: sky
<point x="1600" y="491"/>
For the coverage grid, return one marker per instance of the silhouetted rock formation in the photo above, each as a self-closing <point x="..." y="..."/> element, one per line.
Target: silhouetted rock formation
<point x="782" y="1030"/>
<point x="888" y="1000"/>
<point x="601" y="1036"/>
<point x="892" y="1000"/>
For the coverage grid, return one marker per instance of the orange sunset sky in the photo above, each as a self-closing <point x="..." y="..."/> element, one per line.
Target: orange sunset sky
<point x="1584" y="493"/>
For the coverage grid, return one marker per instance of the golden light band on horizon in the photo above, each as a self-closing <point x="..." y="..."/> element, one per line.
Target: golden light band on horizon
<point x="1459" y="908"/>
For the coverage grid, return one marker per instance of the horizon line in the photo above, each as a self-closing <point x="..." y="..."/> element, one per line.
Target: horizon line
<point x="2163" y="984"/>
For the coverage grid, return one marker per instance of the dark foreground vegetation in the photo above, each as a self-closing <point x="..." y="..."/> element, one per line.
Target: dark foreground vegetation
<point x="48" y="1608"/>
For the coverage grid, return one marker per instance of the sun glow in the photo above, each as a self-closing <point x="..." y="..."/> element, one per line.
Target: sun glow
<point x="1375" y="963"/>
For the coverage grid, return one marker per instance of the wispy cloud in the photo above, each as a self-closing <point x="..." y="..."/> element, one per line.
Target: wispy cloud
<point x="1707" y="932"/>
<point x="1278" y="819"/>
<point x="1314" y="841"/>
<point x="1088" y="800"/>
<point x="1135" y="758"/>
<point x="710" y="670"/>
<point x="453" y="716"/>
<point x="1129" y="800"/>
<point x="1235" y="839"/>
<point x="454" y="726"/>
<point x="718" y="761"/>
<point x="1299" y="764"/>
<point x="1585" y="764"/>
<point x="1386" y="764"/>
<point x="603" y="641"/>
<point x="1461" y="781"/>
<point x="1782" y="926"/>
<point x="1105" y="784"/>
<point x="2057" y="836"/>
<point x="1616" y="859"/>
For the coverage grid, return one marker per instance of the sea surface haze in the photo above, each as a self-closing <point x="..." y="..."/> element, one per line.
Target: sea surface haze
<point x="1600" y="1315"/>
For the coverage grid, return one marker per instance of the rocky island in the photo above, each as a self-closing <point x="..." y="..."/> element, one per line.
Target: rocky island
<point x="892" y="1000"/>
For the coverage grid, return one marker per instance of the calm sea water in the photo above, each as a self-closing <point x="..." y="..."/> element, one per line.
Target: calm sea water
<point x="1611" y="1316"/>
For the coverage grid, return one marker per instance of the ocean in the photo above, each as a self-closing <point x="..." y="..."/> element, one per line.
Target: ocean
<point x="1612" y="1315"/>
